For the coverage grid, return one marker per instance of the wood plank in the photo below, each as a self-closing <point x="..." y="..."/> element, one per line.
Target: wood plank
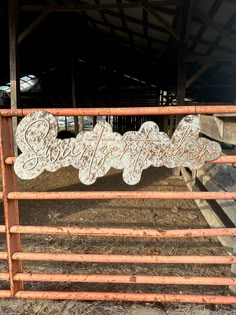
<point x="209" y="214"/>
<point x="219" y="128"/>
<point x="228" y="206"/>
<point x="224" y="174"/>
<point x="13" y="56"/>
<point x="210" y="127"/>
<point x="229" y="134"/>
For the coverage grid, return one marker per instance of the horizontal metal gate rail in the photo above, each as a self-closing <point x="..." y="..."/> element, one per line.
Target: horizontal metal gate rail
<point x="12" y="228"/>
<point x="126" y="111"/>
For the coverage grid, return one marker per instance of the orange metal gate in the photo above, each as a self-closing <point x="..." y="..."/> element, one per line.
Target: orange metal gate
<point x="12" y="228"/>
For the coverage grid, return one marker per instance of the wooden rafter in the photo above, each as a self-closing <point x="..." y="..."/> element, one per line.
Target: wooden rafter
<point x="98" y="7"/>
<point x="137" y="21"/>
<point x="151" y="10"/>
<point x="214" y="9"/>
<point x="118" y="28"/>
<point x="124" y="23"/>
<point x="143" y="51"/>
<point x="229" y="25"/>
<point x="33" y="25"/>
<point x="221" y="48"/>
<point x="207" y="59"/>
<point x="145" y="29"/>
<point x="104" y="18"/>
<point x="230" y="1"/>
<point x="185" y="17"/>
<point x="208" y="22"/>
<point x="197" y="74"/>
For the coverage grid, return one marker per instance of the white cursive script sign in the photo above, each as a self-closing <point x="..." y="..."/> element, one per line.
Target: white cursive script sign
<point x="95" y="152"/>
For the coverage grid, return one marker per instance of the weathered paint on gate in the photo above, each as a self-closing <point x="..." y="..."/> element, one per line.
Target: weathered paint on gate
<point x="15" y="256"/>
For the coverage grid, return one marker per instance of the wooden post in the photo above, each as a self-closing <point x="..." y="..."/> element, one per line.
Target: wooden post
<point x="184" y="25"/>
<point x="66" y="123"/>
<point x="73" y="94"/>
<point x="13" y="51"/>
<point x="94" y="120"/>
<point x="185" y="8"/>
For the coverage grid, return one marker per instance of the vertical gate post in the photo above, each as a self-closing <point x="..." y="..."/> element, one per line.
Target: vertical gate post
<point x="232" y="288"/>
<point x="13" y="10"/>
<point x="11" y="211"/>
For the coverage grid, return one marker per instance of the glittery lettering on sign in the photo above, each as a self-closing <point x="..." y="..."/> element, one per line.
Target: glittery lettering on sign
<point x="94" y="152"/>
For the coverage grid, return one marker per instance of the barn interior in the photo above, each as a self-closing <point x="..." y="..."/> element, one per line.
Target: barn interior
<point x="120" y="53"/>
<point x="117" y="53"/>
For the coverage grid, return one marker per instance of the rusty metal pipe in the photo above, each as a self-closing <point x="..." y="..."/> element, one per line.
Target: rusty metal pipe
<point x="3" y="255"/>
<point x="121" y="195"/>
<point x="2" y="228"/>
<point x="10" y="160"/>
<point x="4" y="276"/>
<point x="137" y="279"/>
<point x="132" y="297"/>
<point x="125" y="258"/>
<point x="126" y="111"/>
<point x="87" y="231"/>
<point x="5" y="293"/>
<point x="224" y="159"/>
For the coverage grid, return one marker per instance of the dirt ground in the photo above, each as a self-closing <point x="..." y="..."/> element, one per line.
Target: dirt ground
<point x="164" y="214"/>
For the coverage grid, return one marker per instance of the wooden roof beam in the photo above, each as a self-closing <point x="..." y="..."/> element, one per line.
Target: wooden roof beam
<point x="217" y="27"/>
<point x="33" y="25"/>
<point x="230" y="1"/>
<point x="184" y="22"/>
<point x="145" y="28"/>
<point x="213" y="10"/>
<point x="207" y="59"/>
<point x="197" y="74"/>
<point x="136" y="21"/>
<point x="118" y="28"/>
<point x="151" y="10"/>
<point x="103" y="6"/>
<point x="104" y="18"/>
<point x="125" y="26"/>
<point x="221" y="48"/>
<point x="217" y="41"/>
